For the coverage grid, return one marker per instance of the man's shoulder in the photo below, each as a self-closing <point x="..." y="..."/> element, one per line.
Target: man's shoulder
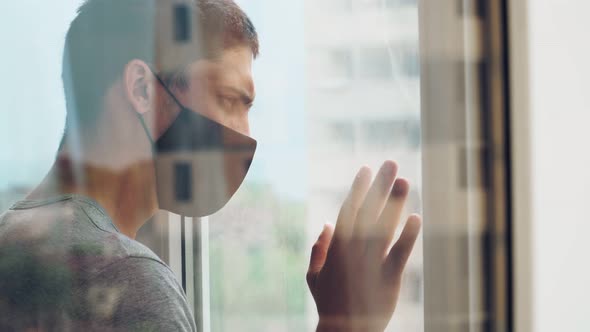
<point x="71" y="230"/>
<point x="69" y="254"/>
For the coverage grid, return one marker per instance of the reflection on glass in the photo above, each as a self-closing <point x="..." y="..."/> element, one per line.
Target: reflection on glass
<point x="337" y="87"/>
<point x="361" y="107"/>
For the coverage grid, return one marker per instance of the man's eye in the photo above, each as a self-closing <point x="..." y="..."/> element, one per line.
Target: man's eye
<point x="226" y="102"/>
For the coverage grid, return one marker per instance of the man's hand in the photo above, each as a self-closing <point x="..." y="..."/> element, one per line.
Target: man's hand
<point x="353" y="275"/>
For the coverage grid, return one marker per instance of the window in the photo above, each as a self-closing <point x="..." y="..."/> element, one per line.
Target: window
<point x="374" y="63"/>
<point x="343" y="132"/>
<point x="337" y="68"/>
<point x="409" y="61"/>
<point x="337" y="5"/>
<point x="267" y="229"/>
<point x="334" y="68"/>
<point x="323" y="109"/>
<point x="401" y="3"/>
<point x="386" y="4"/>
<point x="389" y="134"/>
<point x="182" y="180"/>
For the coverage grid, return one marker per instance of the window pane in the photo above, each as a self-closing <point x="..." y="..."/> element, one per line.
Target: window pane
<point x="356" y="103"/>
<point x="374" y="63"/>
<point x="337" y="87"/>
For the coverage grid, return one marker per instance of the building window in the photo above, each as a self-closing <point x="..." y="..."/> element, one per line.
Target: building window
<point x="374" y="63"/>
<point x="394" y="133"/>
<point x="339" y="5"/>
<point x="400" y="3"/>
<point x="334" y="67"/>
<point x="342" y="132"/>
<point x="410" y="61"/>
<point x="183" y="182"/>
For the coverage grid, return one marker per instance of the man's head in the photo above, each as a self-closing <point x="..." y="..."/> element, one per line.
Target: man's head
<point x="202" y="50"/>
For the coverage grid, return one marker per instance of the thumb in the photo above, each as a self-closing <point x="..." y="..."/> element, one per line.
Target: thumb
<point x="319" y="251"/>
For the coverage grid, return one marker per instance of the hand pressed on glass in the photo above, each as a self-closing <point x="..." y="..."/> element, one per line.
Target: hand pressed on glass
<point x="353" y="275"/>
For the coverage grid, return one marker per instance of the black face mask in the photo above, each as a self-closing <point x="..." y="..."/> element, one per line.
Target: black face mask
<point x="200" y="164"/>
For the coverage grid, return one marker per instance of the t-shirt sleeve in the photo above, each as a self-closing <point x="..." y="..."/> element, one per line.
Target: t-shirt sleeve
<point x="138" y="294"/>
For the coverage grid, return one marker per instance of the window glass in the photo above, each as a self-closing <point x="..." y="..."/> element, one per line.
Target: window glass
<point x="32" y="119"/>
<point x="386" y="4"/>
<point x="400" y="3"/>
<point x="341" y="5"/>
<point x="337" y="87"/>
<point x="339" y="104"/>
<point x="335" y="65"/>
<point x="374" y="63"/>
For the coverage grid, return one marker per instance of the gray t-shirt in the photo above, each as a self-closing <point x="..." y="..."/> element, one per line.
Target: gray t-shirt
<point x="64" y="266"/>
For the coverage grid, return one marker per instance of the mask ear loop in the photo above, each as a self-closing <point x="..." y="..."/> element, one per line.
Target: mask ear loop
<point x="147" y="131"/>
<point x="168" y="90"/>
<point x="142" y="120"/>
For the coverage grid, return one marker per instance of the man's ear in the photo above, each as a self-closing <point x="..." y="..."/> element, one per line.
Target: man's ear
<point x="138" y="85"/>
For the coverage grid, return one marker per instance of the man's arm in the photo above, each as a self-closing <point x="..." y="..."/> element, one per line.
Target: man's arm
<point x="354" y="276"/>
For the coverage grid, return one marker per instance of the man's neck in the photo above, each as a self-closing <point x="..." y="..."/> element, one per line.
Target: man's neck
<point x="127" y="195"/>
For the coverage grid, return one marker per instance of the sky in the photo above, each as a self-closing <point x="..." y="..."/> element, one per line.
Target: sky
<point x="33" y="108"/>
<point x="31" y="101"/>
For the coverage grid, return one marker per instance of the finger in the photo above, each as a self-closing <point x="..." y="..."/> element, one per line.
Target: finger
<point x="384" y="229"/>
<point x="400" y="252"/>
<point x="351" y="205"/>
<point x="375" y="199"/>
<point x="319" y="251"/>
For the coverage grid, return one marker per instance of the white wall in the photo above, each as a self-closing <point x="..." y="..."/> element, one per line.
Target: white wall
<point x="559" y="64"/>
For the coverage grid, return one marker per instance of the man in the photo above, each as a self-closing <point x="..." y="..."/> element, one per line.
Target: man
<point x="68" y="260"/>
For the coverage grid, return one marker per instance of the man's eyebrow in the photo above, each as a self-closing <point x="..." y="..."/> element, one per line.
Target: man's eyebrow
<point x="246" y="97"/>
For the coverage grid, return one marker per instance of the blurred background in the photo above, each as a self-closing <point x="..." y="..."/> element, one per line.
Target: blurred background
<point x="482" y="104"/>
<point x="337" y="87"/>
